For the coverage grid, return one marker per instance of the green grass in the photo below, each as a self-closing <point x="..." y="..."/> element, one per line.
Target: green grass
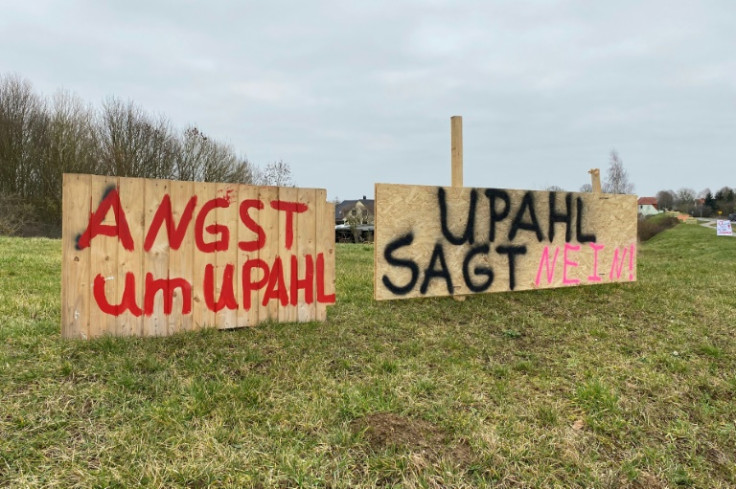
<point x="625" y="385"/>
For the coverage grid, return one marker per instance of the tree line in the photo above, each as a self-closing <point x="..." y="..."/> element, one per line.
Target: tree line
<point x="702" y="204"/>
<point x="686" y="200"/>
<point x="616" y="180"/>
<point x="42" y="139"/>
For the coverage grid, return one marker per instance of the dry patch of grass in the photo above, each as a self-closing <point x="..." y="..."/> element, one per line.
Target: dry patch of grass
<point x="425" y="443"/>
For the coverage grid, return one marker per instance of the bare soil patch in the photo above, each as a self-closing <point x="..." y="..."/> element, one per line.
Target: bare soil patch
<point x="387" y="430"/>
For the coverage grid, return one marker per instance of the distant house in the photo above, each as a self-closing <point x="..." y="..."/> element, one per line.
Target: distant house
<point x="354" y="220"/>
<point x="648" y="206"/>
<point x="355" y="211"/>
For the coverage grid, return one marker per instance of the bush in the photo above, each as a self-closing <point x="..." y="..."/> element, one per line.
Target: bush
<point x="15" y="215"/>
<point x="651" y="226"/>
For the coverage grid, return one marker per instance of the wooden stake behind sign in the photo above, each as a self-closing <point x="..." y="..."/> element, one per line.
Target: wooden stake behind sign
<point x="595" y="179"/>
<point x="456" y="159"/>
<point x="456" y="123"/>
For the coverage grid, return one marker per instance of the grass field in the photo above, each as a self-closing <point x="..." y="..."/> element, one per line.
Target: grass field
<point x="630" y="385"/>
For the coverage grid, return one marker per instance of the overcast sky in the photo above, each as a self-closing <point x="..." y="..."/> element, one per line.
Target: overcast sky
<point x="354" y="93"/>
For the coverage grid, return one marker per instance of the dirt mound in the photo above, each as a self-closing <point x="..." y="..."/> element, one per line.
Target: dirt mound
<point x="384" y="430"/>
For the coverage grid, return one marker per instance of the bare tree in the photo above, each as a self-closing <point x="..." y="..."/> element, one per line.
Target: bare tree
<point x="586" y="187"/>
<point x="71" y="148"/>
<point x="220" y="164"/>
<point x="203" y="159"/>
<point x="190" y="151"/>
<point x="39" y="142"/>
<point x="685" y="200"/>
<point x="617" y="179"/>
<point x="241" y="172"/>
<point x="133" y="145"/>
<point x="278" y="173"/>
<point x="15" y="214"/>
<point x="665" y="200"/>
<point x="22" y="120"/>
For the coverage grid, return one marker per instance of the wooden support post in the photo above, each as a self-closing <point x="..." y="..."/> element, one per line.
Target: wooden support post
<point x="595" y="178"/>
<point x="456" y="150"/>
<point x="456" y="160"/>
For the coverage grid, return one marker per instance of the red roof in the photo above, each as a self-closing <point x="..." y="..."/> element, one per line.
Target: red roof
<point x="647" y="201"/>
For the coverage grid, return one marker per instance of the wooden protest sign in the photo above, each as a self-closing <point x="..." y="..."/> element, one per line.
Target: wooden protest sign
<point x="440" y="241"/>
<point x="154" y="257"/>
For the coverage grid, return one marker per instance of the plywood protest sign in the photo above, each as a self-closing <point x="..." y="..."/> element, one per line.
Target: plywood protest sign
<point x="440" y="241"/>
<point x="153" y="257"/>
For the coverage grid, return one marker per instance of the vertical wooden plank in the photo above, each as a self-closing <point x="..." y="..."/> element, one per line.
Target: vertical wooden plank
<point x="104" y="260"/>
<point x="226" y="260"/>
<point x="270" y="251"/>
<point x="306" y="244"/>
<point x="75" y="271"/>
<point x="288" y="246"/>
<point x="249" y="300"/>
<point x="202" y="317"/>
<point x="325" y="246"/>
<point x="456" y="150"/>
<point x="156" y="261"/>
<point x="595" y="180"/>
<point x="181" y="259"/>
<point x="132" y="198"/>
